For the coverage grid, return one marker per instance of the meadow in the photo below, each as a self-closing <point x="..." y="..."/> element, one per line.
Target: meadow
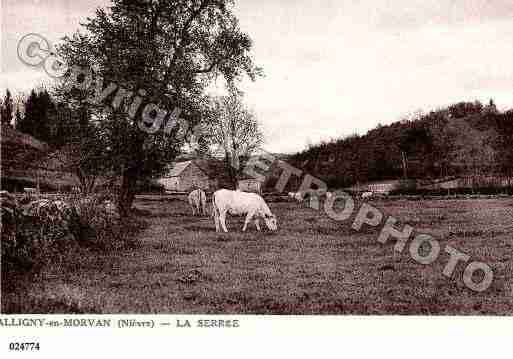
<point x="312" y="265"/>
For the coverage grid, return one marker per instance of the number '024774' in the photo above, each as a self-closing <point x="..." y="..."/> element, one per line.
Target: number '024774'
<point x="23" y="347"/>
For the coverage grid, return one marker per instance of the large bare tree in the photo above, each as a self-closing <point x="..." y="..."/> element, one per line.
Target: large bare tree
<point x="234" y="131"/>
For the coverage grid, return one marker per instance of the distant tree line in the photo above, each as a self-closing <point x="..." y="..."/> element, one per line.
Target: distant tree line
<point x="40" y="116"/>
<point x="464" y="139"/>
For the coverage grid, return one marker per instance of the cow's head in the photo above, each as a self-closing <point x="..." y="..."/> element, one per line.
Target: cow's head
<point x="271" y="222"/>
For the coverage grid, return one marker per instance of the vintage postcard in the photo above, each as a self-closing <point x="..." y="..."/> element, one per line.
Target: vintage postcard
<point x="218" y="165"/>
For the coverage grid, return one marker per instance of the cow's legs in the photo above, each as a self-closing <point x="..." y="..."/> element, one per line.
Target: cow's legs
<point x="246" y="222"/>
<point x="223" y="221"/>
<point x="257" y="224"/>
<point x="203" y="205"/>
<point x="216" y="220"/>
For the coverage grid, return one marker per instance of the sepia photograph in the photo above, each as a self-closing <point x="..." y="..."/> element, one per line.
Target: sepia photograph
<point x="255" y="157"/>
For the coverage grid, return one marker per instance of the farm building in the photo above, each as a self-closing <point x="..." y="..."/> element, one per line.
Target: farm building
<point x="250" y="185"/>
<point x="384" y="187"/>
<point x="186" y="176"/>
<point x="208" y="174"/>
<point x="442" y="183"/>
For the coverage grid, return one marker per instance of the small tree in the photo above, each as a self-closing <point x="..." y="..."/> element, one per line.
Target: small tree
<point x="7" y="109"/>
<point x="17" y="117"/>
<point x="79" y="146"/>
<point x="27" y="124"/>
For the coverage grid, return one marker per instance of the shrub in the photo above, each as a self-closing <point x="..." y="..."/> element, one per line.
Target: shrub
<point x="45" y="229"/>
<point x="36" y="232"/>
<point x="15" y="251"/>
<point x="100" y="224"/>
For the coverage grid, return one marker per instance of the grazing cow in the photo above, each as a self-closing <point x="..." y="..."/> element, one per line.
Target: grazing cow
<point x="311" y="193"/>
<point x="366" y="195"/>
<point x="298" y="196"/>
<point x="198" y="202"/>
<point x="30" y="190"/>
<point x="241" y="203"/>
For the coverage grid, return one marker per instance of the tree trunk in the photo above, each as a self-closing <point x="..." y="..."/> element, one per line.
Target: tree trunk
<point x="91" y="184"/>
<point x="231" y="171"/>
<point x="405" y="165"/>
<point x="131" y="173"/>
<point x="87" y="183"/>
<point x="126" y="193"/>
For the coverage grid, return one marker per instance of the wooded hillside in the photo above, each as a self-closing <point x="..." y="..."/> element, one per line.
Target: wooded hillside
<point x="465" y="139"/>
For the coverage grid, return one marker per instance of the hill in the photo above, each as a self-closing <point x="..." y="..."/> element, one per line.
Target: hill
<point x="465" y="139"/>
<point x="24" y="160"/>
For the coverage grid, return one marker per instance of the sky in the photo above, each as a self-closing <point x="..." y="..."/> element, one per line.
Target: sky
<point x="332" y="68"/>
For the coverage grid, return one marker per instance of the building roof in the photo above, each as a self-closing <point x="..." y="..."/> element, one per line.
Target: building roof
<point x="251" y="179"/>
<point x="212" y="167"/>
<point x="178" y="168"/>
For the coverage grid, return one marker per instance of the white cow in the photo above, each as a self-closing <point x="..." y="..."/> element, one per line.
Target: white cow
<point x="30" y="190"/>
<point x="198" y="202"/>
<point x="316" y="193"/>
<point x="366" y="195"/>
<point x="329" y="195"/>
<point x="241" y="203"/>
<point x="298" y="196"/>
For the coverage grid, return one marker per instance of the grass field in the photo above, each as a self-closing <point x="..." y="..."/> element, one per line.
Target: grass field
<point x="312" y="265"/>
